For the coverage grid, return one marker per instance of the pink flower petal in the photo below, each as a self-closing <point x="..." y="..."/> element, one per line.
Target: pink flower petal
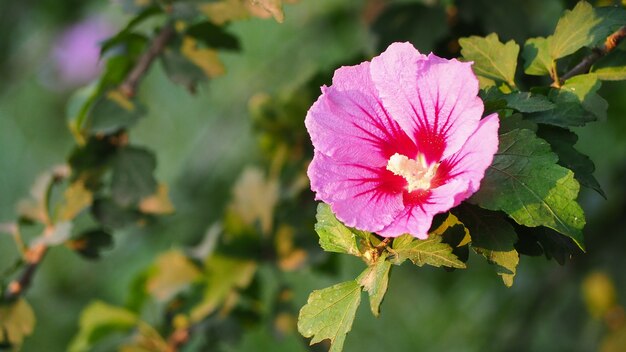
<point x="416" y="218"/>
<point x="476" y="154"/>
<point x="355" y="190"/>
<point x="433" y="99"/>
<point x="349" y="123"/>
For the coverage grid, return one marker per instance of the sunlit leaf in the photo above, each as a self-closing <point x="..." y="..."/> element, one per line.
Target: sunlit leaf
<point x="97" y="322"/>
<point x="431" y="251"/>
<point x="493" y="60"/>
<point x="172" y="273"/>
<point x="17" y="321"/>
<point x="255" y="197"/>
<point x="612" y="67"/>
<point x="75" y="198"/>
<point x="329" y="313"/>
<point x="335" y="236"/>
<point x="526" y="182"/>
<point x="205" y="58"/>
<point x="537" y="60"/>
<point x="224" y="275"/>
<point x="375" y="280"/>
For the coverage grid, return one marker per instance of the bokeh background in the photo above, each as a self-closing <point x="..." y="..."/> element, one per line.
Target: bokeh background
<point x="204" y="141"/>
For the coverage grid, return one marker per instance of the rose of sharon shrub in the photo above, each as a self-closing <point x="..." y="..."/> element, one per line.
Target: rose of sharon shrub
<point x="398" y="140"/>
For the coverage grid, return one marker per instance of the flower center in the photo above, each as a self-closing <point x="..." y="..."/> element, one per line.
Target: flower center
<point x="417" y="172"/>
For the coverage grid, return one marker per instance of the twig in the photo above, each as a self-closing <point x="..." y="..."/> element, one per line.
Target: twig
<point x="610" y="44"/>
<point x="178" y="339"/>
<point x="129" y="86"/>
<point x="19" y="285"/>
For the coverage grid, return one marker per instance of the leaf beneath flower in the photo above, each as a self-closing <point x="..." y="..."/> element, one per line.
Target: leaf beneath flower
<point x="329" y="313"/>
<point x="431" y="251"/>
<point x="375" y="280"/>
<point x="335" y="236"/>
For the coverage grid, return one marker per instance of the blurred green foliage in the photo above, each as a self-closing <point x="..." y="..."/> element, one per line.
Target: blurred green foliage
<point x="203" y="142"/>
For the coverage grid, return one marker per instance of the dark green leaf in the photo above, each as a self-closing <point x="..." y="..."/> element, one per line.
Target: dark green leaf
<point x="329" y="313"/>
<point x="515" y="121"/>
<point x="526" y="182"/>
<point x="492" y="237"/>
<point x="334" y="236"/>
<point x="91" y="243"/>
<point x="493" y="60"/>
<point x="528" y="102"/>
<point x="431" y="251"/>
<point x="553" y="244"/>
<point x="536" y="56"/>
<point x="182" y="71"/>
<point x="113" y="112"/>
<point x="112" y="216"/>
<point x="133" y="175"/>
<point x="375" y="280"/>
<point x="577" y="103"/>
<point x="562" y="142"/>
<point x="213" y="36"/>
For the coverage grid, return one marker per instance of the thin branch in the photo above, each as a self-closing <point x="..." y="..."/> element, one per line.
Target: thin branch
<point x="34" y="256"/>
<point x="129" y="86"/>
<point x="610" y="44"/>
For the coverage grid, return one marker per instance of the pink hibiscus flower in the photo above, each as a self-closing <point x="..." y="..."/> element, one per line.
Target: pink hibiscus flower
<point x="398" y="140"/>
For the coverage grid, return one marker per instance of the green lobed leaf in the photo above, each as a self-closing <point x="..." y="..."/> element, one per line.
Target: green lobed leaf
<point x="432" y="251"/>
<point x="514" y="122"/>
<point x="133" y="175"/>
<point x="213" y="36"/>
<point x="562" y="142"/>
<point x="98" y="321"/>
<point x="335" y="236"/>
<point x="537" y="60"/>
<point x="329" y="313"/>
<point x="574" y="30"/>
<point x="172" y="272"/>
<point x="493" y="60"/>
<point x="526" y="182"/>
<point x="112" y="216"/>
<point x="375" y="280"/>
<point x="611" y="67"/>
<point x="17" y="320"/>
<point x="493" y="238"/>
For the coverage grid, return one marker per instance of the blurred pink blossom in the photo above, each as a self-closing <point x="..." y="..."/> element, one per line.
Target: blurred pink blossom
<point x="76" y="53"/>
<point x="398" y="140"/>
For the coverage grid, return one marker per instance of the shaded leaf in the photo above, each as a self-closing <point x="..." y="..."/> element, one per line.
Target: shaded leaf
<point x="213" y="36"/>
<point x="133" y="178"/>
<point x="515" y="121"/>
<point x="112" y="216"/>
<point x="494" y="238"/>
<point x="537" y="60"/>
<point x="493" y="60"/>
<point x="562" y="143"/>
<point x="113" y="112"/>
<point x="329" y="313"/>
<point x="334" y="236"/>
<point x="181" y="70"/>
<point x="91" y="243"/>
<point x="526" y="182"/>
<point x="431" y="251"/>
<point x="98" y="321"/>
<point x="528" y="102"/>
<point x="577" y="103"/>
<point x="17" y="320"/>
<point x="375" y="280"/>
